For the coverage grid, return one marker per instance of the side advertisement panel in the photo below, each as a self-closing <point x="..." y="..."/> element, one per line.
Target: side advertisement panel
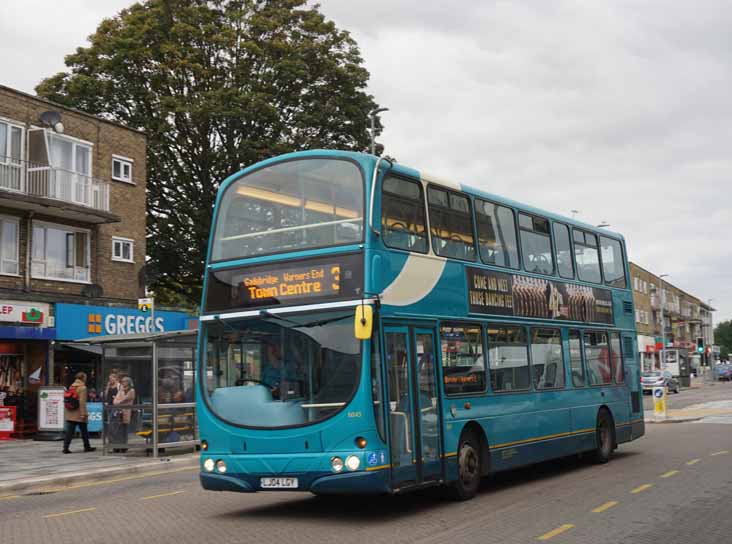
<point x="498" y="293"/>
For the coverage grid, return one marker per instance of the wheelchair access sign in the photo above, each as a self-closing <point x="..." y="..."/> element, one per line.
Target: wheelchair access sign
<point x="659" y="402"/>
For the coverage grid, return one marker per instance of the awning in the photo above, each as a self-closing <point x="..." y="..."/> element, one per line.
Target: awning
<point x="96" y="350"/>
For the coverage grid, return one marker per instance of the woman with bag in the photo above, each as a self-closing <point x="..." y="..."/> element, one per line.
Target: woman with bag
<point x="75" y="412"/>
<point x="124" y="397"/>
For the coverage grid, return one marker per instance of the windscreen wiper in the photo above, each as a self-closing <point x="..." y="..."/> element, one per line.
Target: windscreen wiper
<point x="265" y="313"/>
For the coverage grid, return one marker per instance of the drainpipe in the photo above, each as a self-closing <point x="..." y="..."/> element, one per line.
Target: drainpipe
<point x="28" y="250"/>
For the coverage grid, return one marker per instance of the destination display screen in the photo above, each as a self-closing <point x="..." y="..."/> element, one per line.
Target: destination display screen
<point x="297" y="282"/>
<point x="499" y="293"/>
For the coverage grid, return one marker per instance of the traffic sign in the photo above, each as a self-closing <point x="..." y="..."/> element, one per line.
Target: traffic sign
<point x="145" y="305"/>
<point x="659" y="402"/>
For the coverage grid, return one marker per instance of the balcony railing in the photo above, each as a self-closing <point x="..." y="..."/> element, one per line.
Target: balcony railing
<point x="55" y="183"/>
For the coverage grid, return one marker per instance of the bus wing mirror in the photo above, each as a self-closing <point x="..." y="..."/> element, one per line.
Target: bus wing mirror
<point x="363" y="322"/>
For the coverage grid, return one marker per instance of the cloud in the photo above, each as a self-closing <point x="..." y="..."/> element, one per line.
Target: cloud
<point x="617" y="109"/>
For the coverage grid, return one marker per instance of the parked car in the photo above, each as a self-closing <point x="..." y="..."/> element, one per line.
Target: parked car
<point x="649" y="380"/>
<point x="723" y="372"/>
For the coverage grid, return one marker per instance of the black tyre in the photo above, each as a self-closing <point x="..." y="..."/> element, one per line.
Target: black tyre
<point x="468" y="460"/>
<point x="604" y="438"/>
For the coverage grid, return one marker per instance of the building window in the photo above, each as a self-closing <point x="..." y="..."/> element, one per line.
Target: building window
<point x="451" y="224"/>
<point x="9" y="246"/>
<point x="463" y="366"/>
<point x="11" y="153"/>
<point x="60" y="253"/>
<point x="403" y="222"/>
<point x="496" y="234"/>
<point x="122" y="250"/>
<point x="122" y="169"/>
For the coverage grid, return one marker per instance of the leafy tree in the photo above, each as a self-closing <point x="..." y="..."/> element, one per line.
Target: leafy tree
<point x="723" y="338"/>
<point x="216" y="85"/>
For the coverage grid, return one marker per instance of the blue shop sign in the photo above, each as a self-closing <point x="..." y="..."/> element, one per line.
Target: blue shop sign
<point x="76" y="321"/>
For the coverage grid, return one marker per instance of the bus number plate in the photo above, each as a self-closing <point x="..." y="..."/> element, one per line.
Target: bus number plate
<point x="278" y="483"/>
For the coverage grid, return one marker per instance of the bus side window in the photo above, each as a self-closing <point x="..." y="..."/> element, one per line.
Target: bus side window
<point x="616" y="358"/>
<point x="563" y="250"/>
<point x="496" y="234"/>
<point x="547" y="359"/>
<point x="597" y="357"/>
<point x="451" y="224"/>
<point x="403" y="224"/>
<point x="613" y="264"/>
<point x="575" y="358"/>
<point x="508" y="358"/>
<point x="536" y="245"/>
<point x="463" y="364"/>
<point x="586" y="256"/>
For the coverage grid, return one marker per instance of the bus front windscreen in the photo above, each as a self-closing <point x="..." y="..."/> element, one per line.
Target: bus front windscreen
<point x="290" y="206"/>
<point x="280" y="371"/>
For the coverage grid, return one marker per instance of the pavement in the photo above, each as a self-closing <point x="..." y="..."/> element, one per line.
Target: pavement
<point x="29" y="466"/>
<point x="704" y="400"/>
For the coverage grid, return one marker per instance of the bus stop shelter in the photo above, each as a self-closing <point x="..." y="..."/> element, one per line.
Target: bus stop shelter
<point x="160" y="412"/>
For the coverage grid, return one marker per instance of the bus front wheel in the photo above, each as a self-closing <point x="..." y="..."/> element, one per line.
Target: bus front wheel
<point x="605" y="438"/>
<point x="468" y="460"/>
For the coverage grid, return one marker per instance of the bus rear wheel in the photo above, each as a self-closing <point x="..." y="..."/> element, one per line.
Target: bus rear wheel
<point x="468" y="460"/>
<point x="605" y="438"/>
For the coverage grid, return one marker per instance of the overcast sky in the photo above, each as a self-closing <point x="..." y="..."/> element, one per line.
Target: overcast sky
<point x="620" y="110"/>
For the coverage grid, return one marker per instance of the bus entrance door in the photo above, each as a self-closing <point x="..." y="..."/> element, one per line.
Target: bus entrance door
<point x="414" y="409"/>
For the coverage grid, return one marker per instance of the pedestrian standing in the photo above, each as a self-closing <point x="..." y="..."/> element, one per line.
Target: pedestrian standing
<point x="77" y="415"/>
<point x="125" y="397"/>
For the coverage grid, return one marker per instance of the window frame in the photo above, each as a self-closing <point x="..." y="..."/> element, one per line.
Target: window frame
<point x="477" y="200"/>
<point x="586" y="363"/>
<point x="620" y="355"/>
<point x="532" y="230"/>
<point x="122" y="241"/>
<point x="122" y="162"/>
<point x="527" y="345"/>
<point x="471" y="220"/>
<point x="6" y="158"/>
<point x="423" y="200"/>
<point x="531" y="359"/>
<point x="45" y="225"/>
<point x="16" y="221"/>
<point x="483" y="343"/>
<point x="584" y="244"/>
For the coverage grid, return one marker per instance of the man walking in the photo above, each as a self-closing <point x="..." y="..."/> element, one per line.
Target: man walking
<point x="76" y="413"/>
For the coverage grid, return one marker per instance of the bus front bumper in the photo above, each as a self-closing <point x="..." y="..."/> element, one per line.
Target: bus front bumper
<point x="345" y="483"/>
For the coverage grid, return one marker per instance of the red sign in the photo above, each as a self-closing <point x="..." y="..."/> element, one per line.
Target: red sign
<point x="650" y="349"/>
<point x="7" y="422"/>
<point x="659" y="346"/>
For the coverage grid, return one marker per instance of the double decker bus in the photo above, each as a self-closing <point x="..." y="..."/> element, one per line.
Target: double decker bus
<point x="369" y="328"/>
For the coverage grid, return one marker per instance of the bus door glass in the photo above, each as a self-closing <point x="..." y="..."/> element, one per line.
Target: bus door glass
<point x="414" y="418"/>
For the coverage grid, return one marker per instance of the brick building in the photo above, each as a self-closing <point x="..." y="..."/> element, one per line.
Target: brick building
<point x="72" y="243"/>
<point x="685" y="317"/>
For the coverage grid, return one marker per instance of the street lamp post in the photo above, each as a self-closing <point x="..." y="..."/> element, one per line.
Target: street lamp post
<point x="373" y="114"/>
<point x="663" y="323"/>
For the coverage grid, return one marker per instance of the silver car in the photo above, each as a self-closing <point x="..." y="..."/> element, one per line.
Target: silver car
<point x="649" y="380"/>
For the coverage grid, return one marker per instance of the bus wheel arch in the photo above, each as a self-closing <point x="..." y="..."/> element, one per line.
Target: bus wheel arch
<point x="605" y="435"/>
<point x="471" y="465"/>
<point x="477" y="431"/>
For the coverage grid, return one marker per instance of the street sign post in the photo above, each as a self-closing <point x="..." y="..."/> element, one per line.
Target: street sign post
<point x="659" y="402"/>
<point x="147" y="305"/>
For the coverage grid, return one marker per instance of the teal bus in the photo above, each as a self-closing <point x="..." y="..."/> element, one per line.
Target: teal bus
<point x="369" y="328"/>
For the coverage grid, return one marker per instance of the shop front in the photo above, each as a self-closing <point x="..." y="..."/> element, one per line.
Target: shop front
<point x="75" y="322"/>
<point x="26" y="340"/>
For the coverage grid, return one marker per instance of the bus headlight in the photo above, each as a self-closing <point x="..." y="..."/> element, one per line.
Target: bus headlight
<point x="208" y="464"/>
<point x="221" y="466"/>
<point x="336" y="464"/>
<point x="353" y="462"/>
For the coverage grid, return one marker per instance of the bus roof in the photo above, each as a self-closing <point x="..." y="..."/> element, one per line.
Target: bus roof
<point x="436" y="180"/>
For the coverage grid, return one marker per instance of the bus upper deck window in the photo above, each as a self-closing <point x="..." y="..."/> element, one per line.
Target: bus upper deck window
<point x="496" y="234"/>
<point x="451" y="224"/>
<point x="403" y="224"/>
<point x="536" y="244"/>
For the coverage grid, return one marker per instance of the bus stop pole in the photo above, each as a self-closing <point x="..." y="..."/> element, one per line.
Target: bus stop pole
<point x="155" y="396"/>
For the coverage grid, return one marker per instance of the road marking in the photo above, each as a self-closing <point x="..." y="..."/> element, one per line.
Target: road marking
<point x="641" y="488"/>
<point x="8" y="497"/>
<point x="669" y="473"/>
<point x="607" y="506"/>
<point x="170" y="494"/>
<point x="554" y="532"/>
<point x="720" y="452"/>
<point x="693" y="462"/>
<point x="69" y="513"/>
